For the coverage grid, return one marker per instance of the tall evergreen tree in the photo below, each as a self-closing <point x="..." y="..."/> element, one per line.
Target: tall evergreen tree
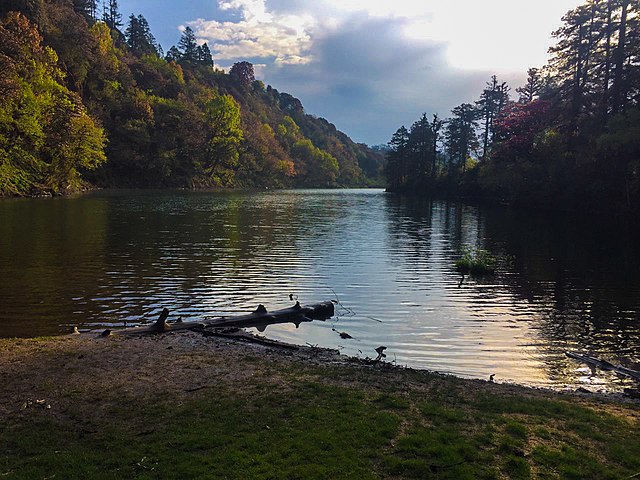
<point x="87" y="8"/>
<point x="420" y="143"/>
<point x="204" y="55"/>
<point x="139" y="37"/>
<point x="493" y="100"/>
<point x="620" y="56"/>
<point x="573" y="54"/>
<point x="396" y="169"/>
<point x="173" y="55"/>
<point x="530" y="91"/>
<point x="111" y="14"/>
<point x="436" y="127"/>
<point x="188" y="46"/>
<point x="461" y="137"/>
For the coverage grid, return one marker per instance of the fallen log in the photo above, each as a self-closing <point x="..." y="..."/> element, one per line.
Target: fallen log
<point x="604" y="365"/>
<point x="261" y="318"/>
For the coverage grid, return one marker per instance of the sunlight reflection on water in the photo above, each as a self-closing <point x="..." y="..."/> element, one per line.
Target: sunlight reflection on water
<point x="110" y="258"/>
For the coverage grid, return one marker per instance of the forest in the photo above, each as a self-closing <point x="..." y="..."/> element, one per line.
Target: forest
<point x="568" y="138"/>
<point x="89" y="98"/>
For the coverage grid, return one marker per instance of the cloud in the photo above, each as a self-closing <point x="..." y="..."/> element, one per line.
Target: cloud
<point x="368" y="78"/>
<point x="358" y="66"/>
<point x="259" y="34"/>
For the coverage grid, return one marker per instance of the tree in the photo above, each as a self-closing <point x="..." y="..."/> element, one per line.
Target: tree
<point x="173" y="55"/>
<point x="139" y="37"/>
<point x="620" y="56"/>
<point x="224" y="134"/>
<point x="573" y="54"/>
<point x="290" y="104"/>
<point x="530" y="91"/>
<point x="111" y="14"/>
<point x="204" y="55"/>
<point x="493" y="100"/>
<point x="87" y="8"/>
<point x="461" y="138"/>
<point x="518" y="129"/>
<point x="46" y="135"/>
<point x="315" y="166"/>
<point x="420" y="149"/>
<point x="32" y="9"/>
<point x="606" y="77"/>
<point x="188" y="46"/>
<point x="436" y="126"/>
<point x="243" y="72"/>
<point x="397" y="159"/>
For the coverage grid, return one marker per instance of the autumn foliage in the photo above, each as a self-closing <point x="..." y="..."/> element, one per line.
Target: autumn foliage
<point x="82" y="101"/>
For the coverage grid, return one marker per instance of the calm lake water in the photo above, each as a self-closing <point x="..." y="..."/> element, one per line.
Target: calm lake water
<point x="109" y="258"/>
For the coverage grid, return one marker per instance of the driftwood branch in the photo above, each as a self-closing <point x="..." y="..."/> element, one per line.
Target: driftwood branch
<point x="261" y="318"/>
<point x="604" y="365"/>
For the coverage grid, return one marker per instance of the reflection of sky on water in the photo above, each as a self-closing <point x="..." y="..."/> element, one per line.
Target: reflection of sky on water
<point x="109" y="258"/>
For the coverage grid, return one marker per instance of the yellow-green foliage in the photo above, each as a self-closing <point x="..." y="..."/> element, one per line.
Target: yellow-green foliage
<point x="167" y="122"/>
<point x="46" y="135"/>
<point x="475" y="261"/>
<point x="222" y="114"/>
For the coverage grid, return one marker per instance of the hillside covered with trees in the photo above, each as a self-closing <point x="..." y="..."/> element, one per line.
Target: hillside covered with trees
<point x="88" y="98"/>
<point x="570" y="137"/>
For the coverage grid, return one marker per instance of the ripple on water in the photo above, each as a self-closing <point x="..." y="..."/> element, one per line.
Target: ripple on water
<point x="107" y="259"/>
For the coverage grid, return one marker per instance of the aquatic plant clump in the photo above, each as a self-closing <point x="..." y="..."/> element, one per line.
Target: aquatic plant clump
<point x="476" y="261"/>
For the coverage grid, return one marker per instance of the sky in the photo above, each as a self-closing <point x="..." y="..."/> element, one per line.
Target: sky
<point x="368" y="66"/>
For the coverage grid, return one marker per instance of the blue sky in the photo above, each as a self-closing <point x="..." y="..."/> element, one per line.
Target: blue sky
<point x="368" y="66"/>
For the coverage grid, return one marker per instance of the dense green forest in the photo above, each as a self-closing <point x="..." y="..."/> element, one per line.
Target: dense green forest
<point x="570" y="139"/>
<point x="94" y="101"/>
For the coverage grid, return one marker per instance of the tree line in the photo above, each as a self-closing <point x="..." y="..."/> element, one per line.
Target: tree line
<point x="89" y="99"/>
<point x="570" y="135"/>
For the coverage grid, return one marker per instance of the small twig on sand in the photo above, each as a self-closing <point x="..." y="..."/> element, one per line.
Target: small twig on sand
<point x="195" y="389"/>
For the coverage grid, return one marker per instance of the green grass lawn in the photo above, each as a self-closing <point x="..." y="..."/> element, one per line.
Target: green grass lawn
<point x="298" y="421"/>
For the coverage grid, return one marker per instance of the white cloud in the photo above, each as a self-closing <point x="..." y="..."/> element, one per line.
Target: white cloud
<point x="259" y="34"/>
<point x="253" y="11"/>
<point x="505" y="35"/>
<point x="502" y="35"/>
<point x="371" y="65"/>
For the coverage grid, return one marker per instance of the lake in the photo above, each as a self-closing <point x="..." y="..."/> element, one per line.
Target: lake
<point x="110" y="258"/>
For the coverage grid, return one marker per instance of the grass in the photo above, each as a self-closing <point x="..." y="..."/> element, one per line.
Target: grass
<point x="475" y="261"/>
<point x="296" y="421"/>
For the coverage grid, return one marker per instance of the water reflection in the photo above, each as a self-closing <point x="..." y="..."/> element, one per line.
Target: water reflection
<point x="112" y="258"/>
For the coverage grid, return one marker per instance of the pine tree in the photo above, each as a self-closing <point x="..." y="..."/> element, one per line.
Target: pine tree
<point x="204" y="55"/>
<point x="188" y="46"/>
<point x="173" y="55"/>
<point x="532" y="88"/>
<point x="87" y="8"/>
<point x="420" y="149"/>
<point x="573" y="54"/>
<point x="493" y="100"/>
<point x="461" y="138"/>
<point x="436" y="126"/>
<point x="139" y="37"/>
<point x="111" y="14"/>
<point x="397" y="159"/>
<point x="620" y="56"/>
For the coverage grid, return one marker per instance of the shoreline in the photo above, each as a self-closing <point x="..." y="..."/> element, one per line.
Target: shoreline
<point x="113" y="391"/>
<point x="244" y="342"/>
<point x="93" y="190"/>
